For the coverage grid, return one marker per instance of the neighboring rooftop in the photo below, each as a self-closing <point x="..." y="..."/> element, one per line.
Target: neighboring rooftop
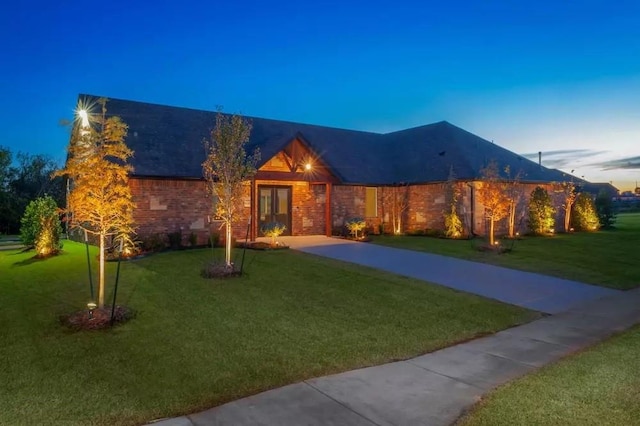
<point x="168" y="142"/>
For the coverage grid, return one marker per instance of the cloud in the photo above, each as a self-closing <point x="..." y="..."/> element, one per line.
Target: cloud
<point x="626" y="163"/>
<point x="563" y="158"/>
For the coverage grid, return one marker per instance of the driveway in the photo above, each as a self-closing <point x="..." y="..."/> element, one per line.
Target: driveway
<point x="529" y="290"/>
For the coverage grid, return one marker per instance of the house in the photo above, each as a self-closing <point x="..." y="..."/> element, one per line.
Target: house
<point x="311" y="178"/>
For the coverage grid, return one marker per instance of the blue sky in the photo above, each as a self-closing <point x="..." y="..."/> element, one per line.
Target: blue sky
<point x="558" y="77"/>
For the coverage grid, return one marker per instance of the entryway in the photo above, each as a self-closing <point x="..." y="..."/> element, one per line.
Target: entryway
<point x="274" y="205"/>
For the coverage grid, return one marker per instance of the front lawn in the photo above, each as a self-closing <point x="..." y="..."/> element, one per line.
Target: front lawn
<point x="197" y="343"/>
<point x="604" y="258"/>
<point x="598" y="387"/>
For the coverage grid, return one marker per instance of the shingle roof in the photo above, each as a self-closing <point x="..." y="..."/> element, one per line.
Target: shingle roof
<point x="168" y="142"/>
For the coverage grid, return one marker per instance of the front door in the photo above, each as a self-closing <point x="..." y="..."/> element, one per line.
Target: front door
<point x="274" y="205"/>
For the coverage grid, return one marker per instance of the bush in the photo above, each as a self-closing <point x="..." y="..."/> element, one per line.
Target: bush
<point x="154" y="242"/>
<point x="354" y="225"/>
<point x="175" y="239"/>
<point x="193" y="239"/>
<point x="605" y="209"/>
<point x="40" y="226"/>
<point x="273" y="230"/>
<point x="584" y="217"/>
<point x="541" y="211"/>
<point x="452" y="224"/>
<point x="214" y="240"/>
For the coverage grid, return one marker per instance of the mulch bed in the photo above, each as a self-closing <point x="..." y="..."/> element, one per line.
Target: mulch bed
<point x="219" y="270"/>
<point x="259" y="245"/>
<point x="100" y="318"/>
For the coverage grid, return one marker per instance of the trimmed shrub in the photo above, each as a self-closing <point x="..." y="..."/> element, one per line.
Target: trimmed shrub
<point x="541" y="212"/>
<point x="584" y="217"/>
<point x="40" y="226"/>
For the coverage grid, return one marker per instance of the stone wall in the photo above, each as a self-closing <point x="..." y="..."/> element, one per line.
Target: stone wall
<point x="169" y="205"/>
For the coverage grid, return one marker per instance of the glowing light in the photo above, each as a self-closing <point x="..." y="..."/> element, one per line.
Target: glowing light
<point x="91" y="306"/>
<point x="307" y="166"/>
<point x="84" y="117"/>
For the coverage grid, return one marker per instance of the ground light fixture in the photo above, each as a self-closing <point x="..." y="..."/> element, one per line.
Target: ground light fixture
<point x="91" y="306"/>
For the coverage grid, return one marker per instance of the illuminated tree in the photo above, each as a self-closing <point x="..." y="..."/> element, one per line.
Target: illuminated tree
<point x="452" y="223"/>
<point x="585" y="217"/>
<point x="568" y="192"/>
<point x="225" y="169"/>
<point x="513" y="190"/>
<point x="493" y="196"/>
<point x="541" y="211"/>
<point x="41" y="227"/>
<point x="396" y="199"/>
<point x="100" y="201"/>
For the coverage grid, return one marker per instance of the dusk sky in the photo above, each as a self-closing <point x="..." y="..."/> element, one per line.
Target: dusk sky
<point x="560" y="77"/>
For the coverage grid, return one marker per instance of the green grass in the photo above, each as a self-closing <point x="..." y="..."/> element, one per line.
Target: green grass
<point x="598" y="387"/>
<point x="605" y="258"/>
<point x="197" y="343"/>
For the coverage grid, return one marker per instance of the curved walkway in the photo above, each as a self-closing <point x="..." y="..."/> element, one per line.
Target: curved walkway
<point x="436" y="388"/>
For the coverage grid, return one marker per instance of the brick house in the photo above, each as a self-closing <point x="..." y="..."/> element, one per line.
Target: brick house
<point x="311" y="178"/>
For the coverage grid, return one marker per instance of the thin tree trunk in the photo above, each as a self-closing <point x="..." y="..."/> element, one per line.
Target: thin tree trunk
<point x="227" y="251"/>
<point x="567" y="218"/>
<point x="491" y="232"/>
<point x="512" y="219"/>
<point x="101" y="285"/>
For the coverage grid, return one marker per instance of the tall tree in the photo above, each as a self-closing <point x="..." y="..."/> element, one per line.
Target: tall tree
<point x="493" y="197"/>
<point x="6" y="173"/>
<point x="100" y="200"/>
<point x="226" y="168"/>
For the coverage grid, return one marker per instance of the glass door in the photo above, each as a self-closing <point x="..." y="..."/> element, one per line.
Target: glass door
<point x="274" y="205"/>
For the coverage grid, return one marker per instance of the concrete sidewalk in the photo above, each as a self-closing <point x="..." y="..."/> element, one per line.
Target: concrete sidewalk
<point x="533" y="291"/>
<point x="433" y="389"/>
<point x="436" y="388"/>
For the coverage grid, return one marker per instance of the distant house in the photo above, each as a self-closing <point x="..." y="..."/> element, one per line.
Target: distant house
<point x="350" y="173"/>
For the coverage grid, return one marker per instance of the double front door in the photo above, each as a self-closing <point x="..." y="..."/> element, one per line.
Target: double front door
<point x="274" y="205"/>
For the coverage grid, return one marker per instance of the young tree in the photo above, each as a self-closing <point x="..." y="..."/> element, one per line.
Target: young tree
<point x="493" y="196"/>
<point x="513" y="191"/>
<point x="225" y="169"/>
<point x="541" y="212"/>
<point x="567" y="191"/>
<point x="452" y="223"/>
<point x="41" y="227"/>
<point x="396" y="200"/>
<point x="100" y="200"/>
<point x="584" y="217"/>
<point x="605" y="209"/>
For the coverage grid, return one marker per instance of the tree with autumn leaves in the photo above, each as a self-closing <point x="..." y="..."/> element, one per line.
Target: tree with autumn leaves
<point x="99" y="201"/>
<point x="494" y="197"/>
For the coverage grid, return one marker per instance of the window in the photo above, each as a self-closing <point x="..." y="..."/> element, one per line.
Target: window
<point x="371" y="202"/>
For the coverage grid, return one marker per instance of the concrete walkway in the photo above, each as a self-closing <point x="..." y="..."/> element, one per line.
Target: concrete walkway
<point x="436" y="388"/>
<point x="433" y="389"/>
<point x="534" y="291"/>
